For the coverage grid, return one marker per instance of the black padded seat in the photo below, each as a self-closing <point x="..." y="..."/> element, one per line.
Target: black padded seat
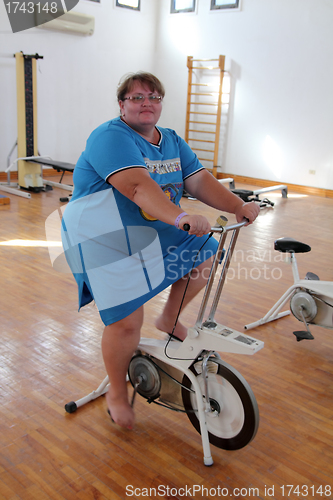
<point x="291" y="245"/>
<point x="244" y="194"/>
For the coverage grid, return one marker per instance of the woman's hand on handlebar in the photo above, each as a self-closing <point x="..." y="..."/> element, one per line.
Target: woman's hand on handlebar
<point x="199" y="225"/>
<point x="249" y="211"/>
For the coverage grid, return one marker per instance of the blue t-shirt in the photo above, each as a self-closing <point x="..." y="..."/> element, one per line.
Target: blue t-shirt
<point x="121" y="256"/>
<point x="114" y="146"/>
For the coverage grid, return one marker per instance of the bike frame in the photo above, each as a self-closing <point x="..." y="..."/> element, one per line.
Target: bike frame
<point x="322" y="289"/>
<point x="205" y="340"/>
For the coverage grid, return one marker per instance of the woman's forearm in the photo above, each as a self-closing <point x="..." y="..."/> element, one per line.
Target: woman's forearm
<point x="207" y="189"/>
<point x="149" y="196"/>
<point x="137" y="185"/>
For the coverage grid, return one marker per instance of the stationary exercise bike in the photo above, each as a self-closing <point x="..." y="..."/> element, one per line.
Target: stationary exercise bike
<point x="191" y="377"/>
<point x="311" y="300"/>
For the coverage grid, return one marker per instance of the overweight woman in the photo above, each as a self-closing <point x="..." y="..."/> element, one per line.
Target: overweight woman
<point x="123" y="228"/>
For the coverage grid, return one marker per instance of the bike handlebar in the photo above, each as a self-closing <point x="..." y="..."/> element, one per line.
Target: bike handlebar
<point x="219" y="228"/>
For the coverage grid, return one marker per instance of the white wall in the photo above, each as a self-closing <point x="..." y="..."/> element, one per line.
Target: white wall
<point x="279" y="53"/>
<point x="77" y="79"/>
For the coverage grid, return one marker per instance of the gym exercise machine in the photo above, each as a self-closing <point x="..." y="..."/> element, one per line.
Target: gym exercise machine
<point x="311" y="300"/>
<point x="29" y="162"/>
<point x="29" y="175"/>
<point x="247" y="195"/>
<point x="191" y="377"/>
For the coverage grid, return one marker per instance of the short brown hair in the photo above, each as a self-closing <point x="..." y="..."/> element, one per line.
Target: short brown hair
<point x="127" y="83"/>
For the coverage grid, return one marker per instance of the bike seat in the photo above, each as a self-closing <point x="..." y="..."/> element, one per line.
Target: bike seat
<point x="290" y="245"/>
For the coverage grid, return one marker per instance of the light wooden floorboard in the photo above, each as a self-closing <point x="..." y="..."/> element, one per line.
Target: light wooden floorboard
<point x="50" y="355"/>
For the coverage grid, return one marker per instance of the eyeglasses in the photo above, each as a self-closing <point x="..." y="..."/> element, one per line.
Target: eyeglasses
<point x="137" y="99"/>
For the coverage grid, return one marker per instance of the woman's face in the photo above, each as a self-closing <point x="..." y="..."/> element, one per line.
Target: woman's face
<point x="141" y="116"/>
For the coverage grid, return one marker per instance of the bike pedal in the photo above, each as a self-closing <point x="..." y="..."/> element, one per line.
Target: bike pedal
<point x="303" y="335"/>
<point x="312" y="276"/>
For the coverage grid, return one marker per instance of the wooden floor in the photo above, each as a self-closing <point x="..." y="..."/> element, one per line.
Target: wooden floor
<point x="50" y="355"/>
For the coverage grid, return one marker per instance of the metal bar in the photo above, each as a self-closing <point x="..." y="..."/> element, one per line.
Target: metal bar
<point x="229" y="180"/>
<point x="8" y="162"/>
<point x="210" y="282"/>
<point x="263" y="322"/>
<point x="67" y="187"/>
<point x="15" y="191"/>
<point x="226" y="180"/>
<point x="233" y="227"/>
<point x="205" y="377"/>
<point x="102" y="389"/>
<point x="223" y="275"/>
<point x="283" y="188"/>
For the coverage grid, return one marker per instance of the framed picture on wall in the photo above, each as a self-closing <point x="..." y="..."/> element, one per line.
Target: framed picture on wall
<point x="224" y="5"/>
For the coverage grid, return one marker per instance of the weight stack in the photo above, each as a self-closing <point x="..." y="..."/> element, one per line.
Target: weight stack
<point x="29" y="174"/>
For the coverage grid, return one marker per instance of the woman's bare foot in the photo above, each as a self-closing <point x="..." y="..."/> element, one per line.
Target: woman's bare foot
<point x="120" y="411"/>
<point x="166" y="326"/>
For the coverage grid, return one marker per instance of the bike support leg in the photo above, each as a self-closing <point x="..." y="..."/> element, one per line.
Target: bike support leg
<point x="208" y="460"/>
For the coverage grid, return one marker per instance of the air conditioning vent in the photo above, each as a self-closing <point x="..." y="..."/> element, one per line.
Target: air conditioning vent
<point x="70" y="22"/>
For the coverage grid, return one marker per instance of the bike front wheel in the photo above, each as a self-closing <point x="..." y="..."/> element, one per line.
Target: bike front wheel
<point x="234" y="419"/>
